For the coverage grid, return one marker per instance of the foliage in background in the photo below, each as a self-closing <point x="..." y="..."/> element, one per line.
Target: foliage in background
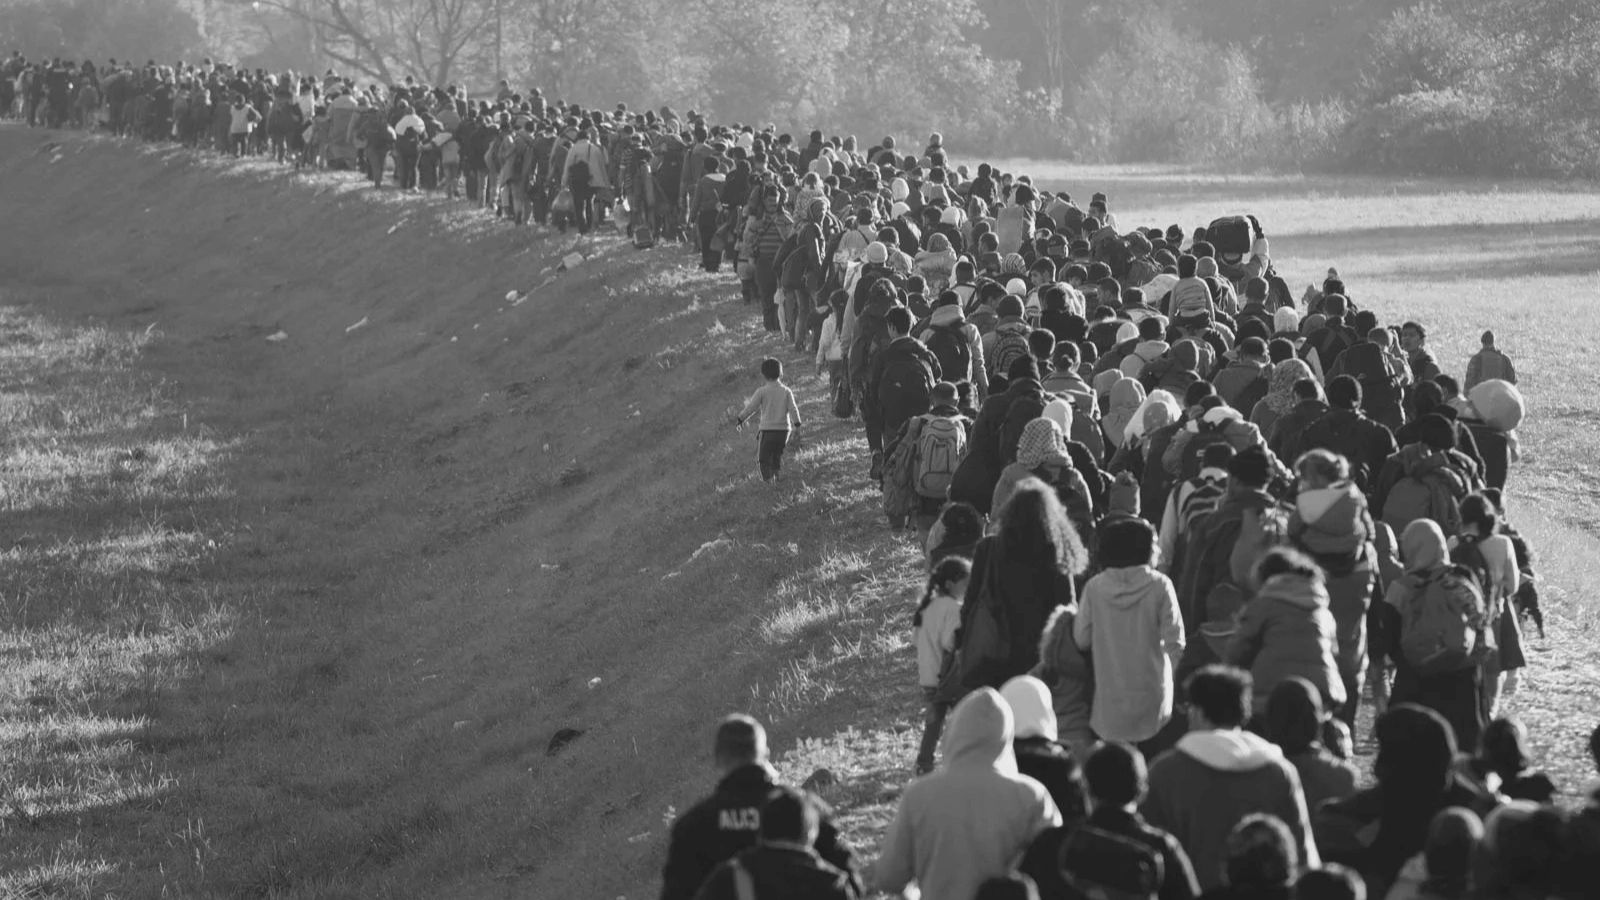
<point x="1402" y="86"/>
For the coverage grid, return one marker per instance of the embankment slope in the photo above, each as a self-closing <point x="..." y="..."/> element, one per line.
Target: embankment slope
<point x="458" y="528"/>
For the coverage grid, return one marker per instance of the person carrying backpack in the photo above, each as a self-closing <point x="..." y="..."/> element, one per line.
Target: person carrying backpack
<point x="1191" y="501"/>
<point x="1042" y="454"/>
<point x="782" y="863"/>
<point x="584" y="174"/>
<point x="1118" y="781"/>
<point x="901" y="379"/>
<point x="1248" y="515"/>
<point x="955" y="343"/>
<point x="1425" y="480"/>
<point x="1346" y="431"/>
<point x="866" y="340"/>
<point x="1332" y="525"/>
<point x="1442" y="619"/>
<point x="988" y="449"/>
<point x="1286" y="629"/>
<point x="1383" y="375"/>
<point x="1492" y="559"/>
<point x="1008" y="342"/>
<point x="942" y="441"/>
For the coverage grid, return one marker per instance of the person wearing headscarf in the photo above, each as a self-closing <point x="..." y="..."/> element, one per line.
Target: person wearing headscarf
<point x="972" y="819"/>
<point x="1127" y="401"/>
<point x="1040" y="754"/>
<point x="937" y="264"/>
<point x="1280" y="399"/>
<point x="1453" y="694"/>
<point x="1286" y="324"/>
<point x="1042" y="454"/>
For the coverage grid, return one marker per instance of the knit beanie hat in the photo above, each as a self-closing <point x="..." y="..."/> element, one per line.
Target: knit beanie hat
<point x="1013" y="264"/>
<point x="1205" y="267"/>
<point x="877" y="253"/>
<point x="1123" y="498"/>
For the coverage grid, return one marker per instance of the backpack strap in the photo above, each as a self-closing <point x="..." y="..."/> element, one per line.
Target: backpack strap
<point x="744" y="887"/>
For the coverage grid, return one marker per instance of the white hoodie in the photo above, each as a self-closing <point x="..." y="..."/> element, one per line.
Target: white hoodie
<point x="971" y="820"/>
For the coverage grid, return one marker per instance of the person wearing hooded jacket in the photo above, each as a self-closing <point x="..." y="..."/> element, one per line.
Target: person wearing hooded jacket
<point x="727" y="822"/>
<point x="971" y="820"/>
<point x="1455" y="694"/>
<point x="1245" y="371"/>
<point x="1332" y="525"/>
<point x="1218" y="774"/>
<point x="1039" y="751"/>
<point x="1130" y="626"/>
<point x="1286" y="630"/>
<point x="1065" y="669"/>
<point x="1127" y="399"/>
<point x="947" y="314"/>
<point x="1295" y="722"/>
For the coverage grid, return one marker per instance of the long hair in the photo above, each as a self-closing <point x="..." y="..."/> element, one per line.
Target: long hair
<point x="1034" y="529"/>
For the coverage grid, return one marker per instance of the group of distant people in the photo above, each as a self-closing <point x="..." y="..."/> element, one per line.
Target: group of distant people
<point x="1175" y="519"/>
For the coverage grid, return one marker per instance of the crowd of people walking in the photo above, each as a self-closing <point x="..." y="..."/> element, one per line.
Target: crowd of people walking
<point x="1179" y="523"/>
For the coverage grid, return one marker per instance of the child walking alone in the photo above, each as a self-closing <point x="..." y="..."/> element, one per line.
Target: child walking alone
<point x="779" y="414"/>
<point x="936" y="621"/>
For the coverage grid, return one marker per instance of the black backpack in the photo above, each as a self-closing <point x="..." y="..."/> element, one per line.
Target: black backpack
<point x="949" y="346"/>
<point x="1100" y="865"/>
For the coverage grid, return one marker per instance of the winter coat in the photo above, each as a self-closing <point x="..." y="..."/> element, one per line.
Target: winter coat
<point x="1207" y="560"/>
<point x="972" y="819"/>
<point x="1323" y="776"/>
<point x="1202" y="788"/>
<point x="1333" y="527"/>
<point x="1238" y="377"/>
<point x="1375" y="830"/>
<point x="725" y="823"/>
<point x="1065" y="669"/>
<point x="1421" y="461"/>
<point x="953" y="317"/>
<point x="1349" y="433"/>
<point x="1287" y="439"/>
<point x="1287" y="630"/>
<point x="1130" y="625"/>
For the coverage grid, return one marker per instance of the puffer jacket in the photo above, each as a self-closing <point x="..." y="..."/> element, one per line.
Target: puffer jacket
<point x="1284" y="631"/>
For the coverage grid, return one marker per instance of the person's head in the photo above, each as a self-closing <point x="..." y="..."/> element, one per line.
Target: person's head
<point x="1307" y="389"/>
<point x="771" y="368"/>
<point x="1067" y="357"/>
<point x="1479" y="517"/>
<point x="741" y="741"/>
<point x="945" y="394"/>
<point x="1488" y="339"/>
<point x="1285" y="561"/>
<point x="1413" y="336"/>
<point x="898" y="321"/>
<point x="1416" y="749"/>
<point x="1331" y="882"/>
<point x="1042" y="344"/>
<point x="1294" y="716"/>
<point x="1503" y="747"/>
<point x="1116" y="775"/>
<point x="1151" y="329"/>
<point x="1452" y="842"/>
<point x="1262" y="853"/>
<point x="1034" y="530"/>
<point x="1250" y="469"/>
<point x="1320" y="468"/>
<point x="1194" y="393"/>
<point x="1219" y="698"/>
<point x="1344" y="392"/>
<point x="1186" y="265"/>
<point x="1436" y="432"/>
<point x="1110" y="291"/>
<point x="1253" y="349"/>
<point x="1449" y="387"/>
<point x="1280" y="350"/>
<point x="962" y="522"/>
<point x="1126" y="543"/>
<point x="789" y="818"/>
<point x="1523" y="852"/>
<point x="948" y="579"/>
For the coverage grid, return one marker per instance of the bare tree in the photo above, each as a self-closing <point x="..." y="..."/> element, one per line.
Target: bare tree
<point x="388" y="38"/>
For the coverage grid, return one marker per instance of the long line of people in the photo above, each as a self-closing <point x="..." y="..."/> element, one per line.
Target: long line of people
<point x="1176" y="521"/>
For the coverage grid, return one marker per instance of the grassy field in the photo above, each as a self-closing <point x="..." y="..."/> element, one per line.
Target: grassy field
<point x="445" y="603"/>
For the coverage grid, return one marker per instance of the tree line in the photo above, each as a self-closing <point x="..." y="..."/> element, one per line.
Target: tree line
<point x="1434" y="87"/>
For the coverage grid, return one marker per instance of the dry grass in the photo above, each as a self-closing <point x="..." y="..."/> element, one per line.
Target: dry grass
<point x="303" y="620"/>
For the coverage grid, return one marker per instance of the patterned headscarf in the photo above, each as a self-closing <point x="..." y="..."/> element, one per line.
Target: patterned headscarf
<point x="1042" y="445"/>
<point x="1280" y="392"/>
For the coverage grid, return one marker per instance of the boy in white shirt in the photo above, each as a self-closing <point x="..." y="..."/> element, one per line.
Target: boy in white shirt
<point x="779" y="414"/>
